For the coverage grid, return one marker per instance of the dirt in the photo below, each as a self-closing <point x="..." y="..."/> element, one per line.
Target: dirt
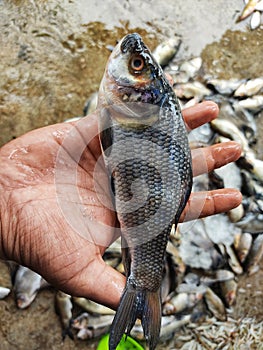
<point x="52" y="58"/>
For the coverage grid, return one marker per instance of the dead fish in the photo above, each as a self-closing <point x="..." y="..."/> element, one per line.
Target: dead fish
<point x="224" y="87"/>
<point x="244" y="246"/>
<point x="4" y="292"/>
<point x="242" y="118"/>
<point x="63" y="305"/>
<point x="165" y="52"/>
<point x="249" y="88"/>
<point x="141" y="127"/>
<point x="230" y="174"/>
<point x="26" y="285"/>
<point x="236" y="214"/>
<point x="248" y="10"/>
<point x="229" y="291"/>
<point x="215" y="305"/>
<point x="168" y="329"/>
<point x="251" y="222"/>
<point x="255" y="255"/>
<point x="180" y="302"/>
<point x="220" y="275"/>
<point x="255" y="20"/>
<point x="192" y="89"/>
<point x="81" y="321"/>
<point x="220" y="229"/>
<point x="169" y="325"/>
<point x="92" y="307"/>
<point x="231" y="258"/>
<point x="191" y="67"/>
<point x="204" y="134"/>
<point x="254" y="104"/>
<point x="91" y="333"/>
<point x="86" y="320"/>
<point x="228" y="129"/>
<point x="90" y="326"/>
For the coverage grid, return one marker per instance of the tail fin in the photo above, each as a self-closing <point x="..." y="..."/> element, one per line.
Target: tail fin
<point x="135" y="304"/>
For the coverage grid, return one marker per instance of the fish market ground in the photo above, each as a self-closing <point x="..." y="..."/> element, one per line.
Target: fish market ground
<point x="33" y="95"/>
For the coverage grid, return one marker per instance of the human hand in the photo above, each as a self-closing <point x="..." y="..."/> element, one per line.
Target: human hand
<point x="52" y="207"/>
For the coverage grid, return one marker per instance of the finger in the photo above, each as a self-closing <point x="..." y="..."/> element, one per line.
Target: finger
<point x="108" y="279"/>
<point x="209" y="158"/>
<point x="200" y="114"/>
<point x="203" y="204"/>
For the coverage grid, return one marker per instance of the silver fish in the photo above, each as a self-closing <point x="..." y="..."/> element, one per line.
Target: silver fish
<point x="92" y="307"/>
<point x="181" y="301"/>
<point x="224" y="87"/>
<point x="215" y="305"/>
<point x="146" y="150"/>
<point x="255" y="20"/>
<point x="244" y="246"/>
<point x="165" y="52"/>
<point x="63" y="305"/>
<point x="4" y="292"/>
<point x="249" y="88"/>
<point x="229" y="291"/>
<point x="27" y="283"/>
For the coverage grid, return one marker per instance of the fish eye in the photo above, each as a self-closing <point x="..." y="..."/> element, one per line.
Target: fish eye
<point x="137" y="63"/>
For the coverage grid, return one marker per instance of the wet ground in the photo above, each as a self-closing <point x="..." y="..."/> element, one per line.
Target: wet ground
<point x="52" y="58"/>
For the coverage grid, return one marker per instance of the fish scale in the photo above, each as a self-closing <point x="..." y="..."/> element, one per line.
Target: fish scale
<point x="146" y="151"/>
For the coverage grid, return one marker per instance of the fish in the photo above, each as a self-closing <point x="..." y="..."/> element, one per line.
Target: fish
<point x="90" y="326"/>
<point x="92" y="307"/>
<point x="4" y="292"/>
<point x="247" y="159"/>
<point x="249" y="88"/>
<point x="165" y="51"/>
<point x="27" y="283"/>
<point x="223" y="86"/>
<point x="229" y="291"/>
<point x="248" y="10"/>
<point x="192" y="89"/>
<point x="146" y="152"/>
<point x="244" y="246"/>
<point x="255" y="20"/>
<point x="180" y="302"/>
<point x="63" y="305"/>
<point x="254" y="104"/>
<point x="215" y="304"/>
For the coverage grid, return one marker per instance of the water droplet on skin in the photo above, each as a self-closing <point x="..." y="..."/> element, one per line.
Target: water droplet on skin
<point x="58" y="135"/>
<point x="18" y="151"/>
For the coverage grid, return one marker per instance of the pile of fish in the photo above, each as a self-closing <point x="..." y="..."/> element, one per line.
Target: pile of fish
<point x="205" y="257"/>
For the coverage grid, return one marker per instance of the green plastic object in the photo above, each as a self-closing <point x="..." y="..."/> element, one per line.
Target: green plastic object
<point x="126" y="343"/>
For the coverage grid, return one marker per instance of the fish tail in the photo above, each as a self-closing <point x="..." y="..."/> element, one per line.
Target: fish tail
<point x="151" y="318"/>
<point x="137" y="303"/>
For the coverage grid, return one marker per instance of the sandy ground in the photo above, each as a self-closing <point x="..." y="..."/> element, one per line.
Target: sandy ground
<point x="53" y="55"/>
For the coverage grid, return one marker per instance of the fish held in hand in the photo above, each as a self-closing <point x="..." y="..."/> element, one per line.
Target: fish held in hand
<point x="146" y="151"/>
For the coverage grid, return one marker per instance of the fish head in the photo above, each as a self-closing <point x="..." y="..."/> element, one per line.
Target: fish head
<point x="133" y="87"/>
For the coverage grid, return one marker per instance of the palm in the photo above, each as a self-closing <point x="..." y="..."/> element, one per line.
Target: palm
<point x="56" y="192"/>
